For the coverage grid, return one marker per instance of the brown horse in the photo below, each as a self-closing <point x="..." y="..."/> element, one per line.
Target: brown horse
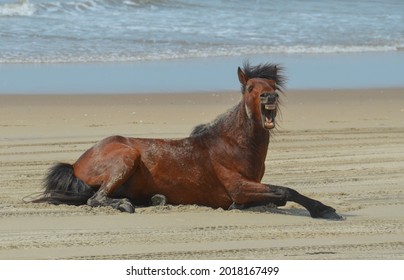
<point x="220" y="164"/>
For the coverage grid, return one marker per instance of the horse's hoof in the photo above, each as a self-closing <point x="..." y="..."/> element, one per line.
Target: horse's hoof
<point x="126" y="207"/>
<point x="159" y="200"/>
<point x="332" y="216"/>
<point x="329" y="214"/>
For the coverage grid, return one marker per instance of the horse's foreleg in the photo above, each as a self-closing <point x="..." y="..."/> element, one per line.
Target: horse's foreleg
<point x="248" y="194"/>
<point x="315" y="207"/>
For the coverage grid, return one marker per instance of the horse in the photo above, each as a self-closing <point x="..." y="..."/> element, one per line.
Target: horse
<point x="219" y="165"/>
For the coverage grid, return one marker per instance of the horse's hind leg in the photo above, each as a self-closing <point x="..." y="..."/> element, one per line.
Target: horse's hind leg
<point x="116" y="174"/>
<point x="101" y="199"/>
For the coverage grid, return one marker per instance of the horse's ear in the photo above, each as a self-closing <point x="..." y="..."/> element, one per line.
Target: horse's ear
<point x="242" y="77"/>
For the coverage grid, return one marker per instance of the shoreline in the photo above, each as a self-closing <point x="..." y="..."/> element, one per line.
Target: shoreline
<point x="304" y="71"/>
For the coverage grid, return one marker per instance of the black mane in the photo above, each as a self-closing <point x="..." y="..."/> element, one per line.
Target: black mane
<point x="223" y="121"/>
<point x="265" y="71"/>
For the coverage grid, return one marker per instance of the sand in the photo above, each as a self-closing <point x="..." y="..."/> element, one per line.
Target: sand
<point x="342" y="147"/>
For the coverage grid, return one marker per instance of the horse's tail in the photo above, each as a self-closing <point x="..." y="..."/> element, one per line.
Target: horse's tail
<point x="62" y="187"/>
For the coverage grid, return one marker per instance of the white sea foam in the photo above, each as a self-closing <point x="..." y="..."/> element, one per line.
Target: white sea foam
<point x="20" y="8"/>
<point x="214" y="52"/>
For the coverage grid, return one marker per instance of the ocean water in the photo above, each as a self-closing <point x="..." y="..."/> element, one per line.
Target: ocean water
<point x="50" y="31"/>
<point x="37" y="35"/>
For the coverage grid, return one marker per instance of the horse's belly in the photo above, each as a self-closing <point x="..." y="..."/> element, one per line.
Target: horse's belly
<point x="178" y="189"/>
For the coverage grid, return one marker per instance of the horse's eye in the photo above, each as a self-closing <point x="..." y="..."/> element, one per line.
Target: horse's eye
<point x="250" y="88"/>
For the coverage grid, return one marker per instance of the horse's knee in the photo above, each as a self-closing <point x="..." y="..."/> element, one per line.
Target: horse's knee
<point x="259" y="194"/>
<point x="279" y="202"/>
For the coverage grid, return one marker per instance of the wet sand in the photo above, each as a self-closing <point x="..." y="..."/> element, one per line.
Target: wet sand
<point x="344" y="148"/>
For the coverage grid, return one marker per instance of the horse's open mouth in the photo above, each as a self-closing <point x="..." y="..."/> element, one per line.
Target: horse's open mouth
<point x="268" y="112"/>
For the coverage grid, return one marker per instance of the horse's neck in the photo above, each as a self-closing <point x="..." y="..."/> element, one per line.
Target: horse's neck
<point x="238" y="129"/>
<point x="252" y="130"/>
<point x="246" y="133"/>
<point x="247" y="141"/>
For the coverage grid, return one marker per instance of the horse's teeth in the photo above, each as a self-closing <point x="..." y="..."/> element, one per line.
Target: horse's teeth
<point x="269" y="106"/>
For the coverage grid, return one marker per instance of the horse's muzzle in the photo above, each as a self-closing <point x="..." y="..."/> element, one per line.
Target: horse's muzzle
<point x="269" y="98"/>
<point x="269" y="103"/>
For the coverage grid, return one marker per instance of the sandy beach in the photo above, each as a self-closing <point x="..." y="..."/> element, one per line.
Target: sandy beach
<point x="342" y="147"/>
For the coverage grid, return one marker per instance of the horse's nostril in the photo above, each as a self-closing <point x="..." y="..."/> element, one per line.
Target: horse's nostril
<point x="269" y="97"/>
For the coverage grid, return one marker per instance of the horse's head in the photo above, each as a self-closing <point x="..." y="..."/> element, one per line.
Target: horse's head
<point x="260" y="98"/>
